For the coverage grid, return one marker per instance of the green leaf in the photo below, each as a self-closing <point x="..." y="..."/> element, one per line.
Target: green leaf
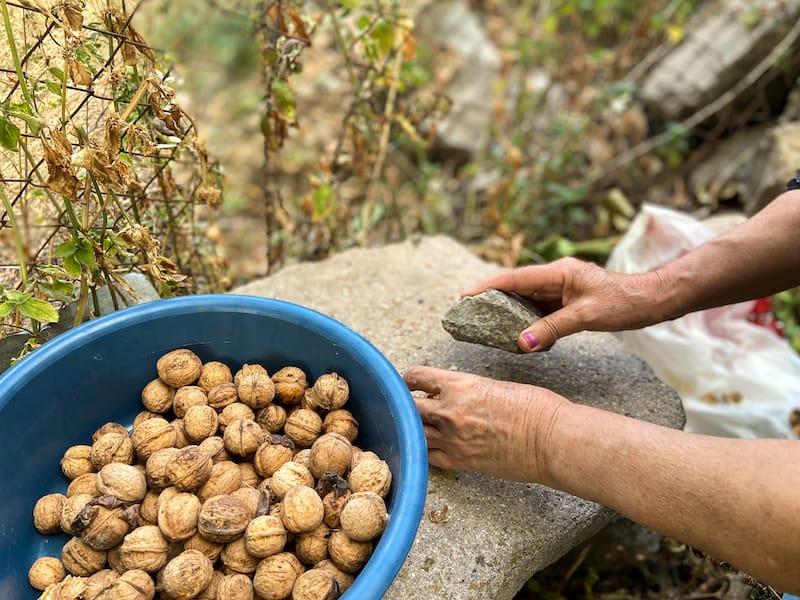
<point x="72" y="266"/>
<point x="53" y="86"/>
<point x="84" y="254"/>
<point x="6" y="308"/>
<point x="383" y="34"/>
<point x="39" y="310"/>
<point x="58" y="290"/>
<point x="270" y="57"/>
<point x="284" y="99"/>
<point x="57" y="73"/>
<point x="16" y="297"/>
<point x="9" y="134"/>
<point x="67" y="248"/>
<point x="350" y="4"/>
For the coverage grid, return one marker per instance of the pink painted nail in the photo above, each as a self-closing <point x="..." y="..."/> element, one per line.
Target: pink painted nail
<point x="530" y="339"/>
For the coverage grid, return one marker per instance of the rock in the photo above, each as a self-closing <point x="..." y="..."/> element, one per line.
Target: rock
<point x="725" y="41"/>
<point x="493" y="318"/>
<point x="466" y="66"/>
<point x="777" y="161"/>
<point x="499" y="532"/>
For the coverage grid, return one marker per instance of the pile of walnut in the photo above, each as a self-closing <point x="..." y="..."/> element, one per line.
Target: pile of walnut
<point x="229" y="487"/>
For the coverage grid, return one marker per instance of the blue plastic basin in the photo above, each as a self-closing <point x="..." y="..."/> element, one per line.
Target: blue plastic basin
<point x="61" y="393"/>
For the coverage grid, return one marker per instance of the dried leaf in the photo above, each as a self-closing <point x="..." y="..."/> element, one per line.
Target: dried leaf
<point x="79" y="73"/>
<point x="300" y="30"/>
<point x="71" y="12"/>
<point x="57" y="153"/>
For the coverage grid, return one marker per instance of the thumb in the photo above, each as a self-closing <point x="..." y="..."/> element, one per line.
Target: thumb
<point x="543" y="333"/>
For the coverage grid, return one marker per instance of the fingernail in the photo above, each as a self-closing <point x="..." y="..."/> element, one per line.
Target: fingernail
<point x="530" y="339"/>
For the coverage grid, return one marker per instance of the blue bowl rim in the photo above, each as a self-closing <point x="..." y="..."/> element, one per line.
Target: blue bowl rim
<point x="377" y="575"/>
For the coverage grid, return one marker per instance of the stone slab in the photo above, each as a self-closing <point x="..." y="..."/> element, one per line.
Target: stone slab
<point x="498" y="533"/>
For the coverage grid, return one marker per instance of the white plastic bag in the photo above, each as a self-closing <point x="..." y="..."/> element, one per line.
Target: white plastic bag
<point x="735" y="378"/>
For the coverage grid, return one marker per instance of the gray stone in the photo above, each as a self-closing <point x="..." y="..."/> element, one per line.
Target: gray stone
<point x="499" y="533"/>
<point x="723" y="43"/>
<point x="468" y="64"/>
<point x="493" y="318"/>
<point x="141" y="291"/>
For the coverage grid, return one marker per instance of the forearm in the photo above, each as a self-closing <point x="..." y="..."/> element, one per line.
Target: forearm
<point x="756" y="259"/>
<point x="736" y="500"/>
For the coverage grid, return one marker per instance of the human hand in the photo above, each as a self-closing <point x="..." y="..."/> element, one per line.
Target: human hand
<point x="479" y="424"/>
<point x="578" y="296"/>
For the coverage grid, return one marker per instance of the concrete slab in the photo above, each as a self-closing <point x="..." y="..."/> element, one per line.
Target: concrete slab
<point x="498" y="533"/>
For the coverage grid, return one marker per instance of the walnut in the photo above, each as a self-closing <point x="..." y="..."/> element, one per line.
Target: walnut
<point x="330" y="452"/>
<point x="45" y="571"/>
<point x="249" y="476"/>
<point x="303" y="426"/>
<point x="303" y="457"/>
<point x="287" y="476"/>
<point x="177" y="517"/>
<point x="213" y="374"/>
<point x="329" y="392"/>
<point x="109" y="427"/>
<point x="83" y="484"/>
<point x="114" y="559"/>
<point x="186" y="575"/>
<point x="251" y="498"/>
<point x="361" y="455"/>
<point x="333" y="502"/>
<point x="242" y="437"/>
<point x="345" y="580"/>
<point x="151" y="435"/>
<point x="315" y="584"/>
<point x="271" y="454"/>
<point x="256" y="391"/>
<point x="148" y="509"/>
<point x="236" y="586"/>
<point x="81" y="559"/>
<point x="157" y="396"/>
<point x="215" y="446"/>
<point x="67" y="589"/>
<point x="126" y="482"/>
<point x="271" y="418"/>
<point x="71" y="508"/>
<point x="249" y="369"/>
<point x="222" y="395"/>
<point x="301" y="509"/>
<point x="186" y="397"/>
<point x="348" y="554"/>
<point x="265" y="535"/>
<point x="77" y="461"/>
<point x="234" y="411"/>
<point x="111" y="447"/>
<point x="364" y="516"/>
<point x="144" y="548"/>
<point x="47" y="513"/>
<point x="290" y="385"/>
<point x="236" y="558"/>
<point x="207" y="547"/>
<point x="156" y="472"/>
<point x="225" y="478"/>
<point x="102" y="527"/>
<point x="275" y="576"/>
<point x="189" y="468"/>
<point x="200" y="422"/>
<point x="223" y="519"/>
<point x="181" y="439"/>
<point x="143" y="416"/>
<point x="134" y="584"/>
<point x="98" y="582"/>
<point x="370" y="476"/>
<point x="179" y="367"/>
<point x="210" y="593"/>
<point x="341" y="421"/>
<point x="312" y="547"/>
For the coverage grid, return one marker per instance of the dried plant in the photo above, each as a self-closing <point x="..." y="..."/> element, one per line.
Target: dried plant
<point x="103" y="172"/>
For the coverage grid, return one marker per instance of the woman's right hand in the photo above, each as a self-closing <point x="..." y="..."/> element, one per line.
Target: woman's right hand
<point x="579" y="296"/>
